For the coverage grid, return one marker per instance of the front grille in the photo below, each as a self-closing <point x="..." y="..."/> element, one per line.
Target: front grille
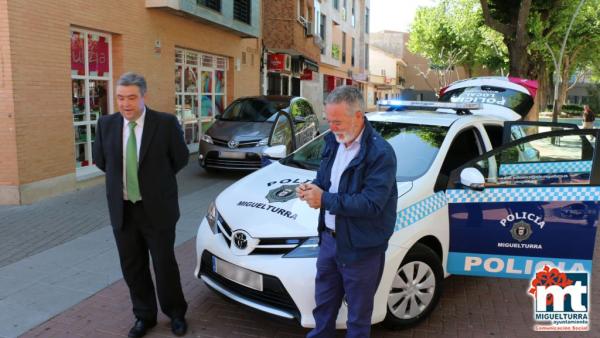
<point x="251" y="161"/>
<point x="242" y="144"/>
<point x="274" y="293"/>
<point x="266" y="246"/>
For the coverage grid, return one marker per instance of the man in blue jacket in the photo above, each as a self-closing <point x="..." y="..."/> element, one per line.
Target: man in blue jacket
<point x="356" y="192"/>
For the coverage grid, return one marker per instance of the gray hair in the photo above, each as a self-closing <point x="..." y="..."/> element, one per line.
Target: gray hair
<point x="347" y="94"/>
<point x="133" y="79"/>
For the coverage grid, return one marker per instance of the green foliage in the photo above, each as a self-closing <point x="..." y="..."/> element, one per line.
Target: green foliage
<point x="594" y="100"/>
<point x="453" y="31"/>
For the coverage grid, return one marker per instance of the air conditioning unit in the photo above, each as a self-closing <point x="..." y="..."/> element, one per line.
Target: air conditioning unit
<point x="309" y="29"/>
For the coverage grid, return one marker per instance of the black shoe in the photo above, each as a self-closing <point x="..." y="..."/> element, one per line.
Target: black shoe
<point x="178" y="326"/>
<point x="140" y="327"/>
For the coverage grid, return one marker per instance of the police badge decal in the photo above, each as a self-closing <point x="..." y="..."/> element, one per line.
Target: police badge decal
<point x="282" y="194"/>
<point x="521" y="231"/>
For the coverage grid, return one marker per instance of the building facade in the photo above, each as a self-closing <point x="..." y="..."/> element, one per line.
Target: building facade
<point x="313" y="46"/>
<point x="60" y="61"/>
<point x="291" y="49"/>
<point x="386" y="76"/>
<point x="343" y="29"/>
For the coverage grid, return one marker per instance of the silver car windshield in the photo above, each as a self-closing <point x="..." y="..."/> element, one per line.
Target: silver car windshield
<point x="253" y="110"/>
<point x="416" y="146"/>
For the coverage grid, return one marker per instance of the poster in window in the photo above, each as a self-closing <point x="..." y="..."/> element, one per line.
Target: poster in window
<point x="77" y="54"/>
<point x="97" y="55"/>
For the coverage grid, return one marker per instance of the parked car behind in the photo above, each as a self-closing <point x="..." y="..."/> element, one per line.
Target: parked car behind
<point x="250" y="124"/>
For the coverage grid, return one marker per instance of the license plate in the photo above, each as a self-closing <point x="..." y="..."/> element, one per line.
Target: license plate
<point x="238" y="274"/>
<point x="232" y="155"/>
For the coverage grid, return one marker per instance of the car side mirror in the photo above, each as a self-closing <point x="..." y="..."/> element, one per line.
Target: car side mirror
<point x="218" y="117"/>
<point x="472" y="178"/>
<point x="275" y="152"/>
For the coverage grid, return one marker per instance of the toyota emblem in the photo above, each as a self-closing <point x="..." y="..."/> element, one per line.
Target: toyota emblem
<point x="233" y="144"/>
<point x="240" y="241"/>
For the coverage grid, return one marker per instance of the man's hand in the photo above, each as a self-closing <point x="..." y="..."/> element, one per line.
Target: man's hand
<point x="310" y="193"/>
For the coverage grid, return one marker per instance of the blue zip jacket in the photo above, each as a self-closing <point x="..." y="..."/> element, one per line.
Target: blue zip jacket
<point x="365" y="204"/>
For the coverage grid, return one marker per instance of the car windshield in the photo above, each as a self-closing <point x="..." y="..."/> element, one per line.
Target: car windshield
<point x="504" y="97"/>
<point x="254" y="110"/>
<point x="415" y="145"/>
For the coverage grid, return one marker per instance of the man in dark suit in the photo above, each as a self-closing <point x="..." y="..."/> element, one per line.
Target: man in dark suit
<point x="141" y="150"/>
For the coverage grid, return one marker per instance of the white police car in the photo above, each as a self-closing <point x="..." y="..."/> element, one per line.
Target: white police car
<point x="470" y="202"/>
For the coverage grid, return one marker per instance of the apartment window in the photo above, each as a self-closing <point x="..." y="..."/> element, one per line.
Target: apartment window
<point x="366" y="20"/>
<point x="91" y="84"/>
<point x="353" y="9"/>
<point x="366" y="56"/>
<point x="241" y="10"/>
<point x="343" y="47"/>
<point x="322" y="32"/>
<point x="336" y="4"/>
<point x="352" y="52"/>
<point x="212" y="4"/>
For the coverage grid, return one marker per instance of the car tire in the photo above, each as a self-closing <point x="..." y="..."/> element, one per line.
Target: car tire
<point x="412" y="298"/>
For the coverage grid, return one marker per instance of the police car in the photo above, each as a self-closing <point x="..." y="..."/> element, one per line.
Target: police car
<point x="474" y="198"/>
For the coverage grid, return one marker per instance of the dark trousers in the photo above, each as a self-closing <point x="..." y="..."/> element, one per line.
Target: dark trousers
<point x="138" y="237"/>
<point x="358" y="281"/>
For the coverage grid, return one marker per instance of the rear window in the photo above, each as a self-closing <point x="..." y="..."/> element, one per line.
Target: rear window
<point x="254" y="110"/>
<point x="509" y="98"/>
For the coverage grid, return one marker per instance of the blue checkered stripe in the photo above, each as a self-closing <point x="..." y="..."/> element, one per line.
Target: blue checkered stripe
<point x="546" y="168"/>
<point x="533" y="194"/>
<point x="420" y="210"/>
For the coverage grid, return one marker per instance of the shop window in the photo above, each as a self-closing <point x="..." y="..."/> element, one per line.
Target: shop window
<point x="91" y="90"/>
<point x="200" y="90"/>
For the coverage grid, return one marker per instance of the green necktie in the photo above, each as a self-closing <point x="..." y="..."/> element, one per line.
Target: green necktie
<point x="131" y="166"/>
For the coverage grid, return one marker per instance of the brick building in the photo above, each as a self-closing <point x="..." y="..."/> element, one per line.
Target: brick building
<point x="59" y="61"/>
<point x="313" y="46"/>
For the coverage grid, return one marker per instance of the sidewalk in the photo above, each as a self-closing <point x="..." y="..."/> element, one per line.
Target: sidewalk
<point x="60" y="251"/>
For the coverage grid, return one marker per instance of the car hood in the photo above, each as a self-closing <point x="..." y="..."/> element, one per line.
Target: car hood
<point x="239" y="131"/>
<point x="265" y="205"/>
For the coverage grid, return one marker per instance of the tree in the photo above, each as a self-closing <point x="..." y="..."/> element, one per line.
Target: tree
<point x="452" y="34"/>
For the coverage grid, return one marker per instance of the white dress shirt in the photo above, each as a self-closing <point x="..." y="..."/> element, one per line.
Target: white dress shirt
<point x="343" y="157"/>
<point x="139" y="129"/>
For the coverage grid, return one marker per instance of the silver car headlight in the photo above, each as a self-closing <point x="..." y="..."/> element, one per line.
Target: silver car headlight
<point x="263" y="142"/>
<point x="307" y="249"/>
<point x="211" y="217"/>
<point x="206" y="138"/>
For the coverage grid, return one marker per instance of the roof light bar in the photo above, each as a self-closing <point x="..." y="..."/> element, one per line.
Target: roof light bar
<point x="429" y="104"/>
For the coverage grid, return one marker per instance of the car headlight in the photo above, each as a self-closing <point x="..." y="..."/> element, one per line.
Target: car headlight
<point x="263" y="142"/>
<point x="307" y="249"/>
<point x="206" y="138"/>
<point x="211" y="217"/>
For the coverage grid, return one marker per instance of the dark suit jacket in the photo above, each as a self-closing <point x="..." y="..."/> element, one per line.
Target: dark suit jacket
<point x="163" y="153"/>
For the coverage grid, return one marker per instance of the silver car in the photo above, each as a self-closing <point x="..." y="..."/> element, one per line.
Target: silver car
<point x="250" y="125"/>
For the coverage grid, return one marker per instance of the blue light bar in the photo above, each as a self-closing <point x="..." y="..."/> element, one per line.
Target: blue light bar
<point x="429" y="104"/>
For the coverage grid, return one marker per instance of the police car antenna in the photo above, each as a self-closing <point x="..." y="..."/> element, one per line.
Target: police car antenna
<point x="460" y="108"/>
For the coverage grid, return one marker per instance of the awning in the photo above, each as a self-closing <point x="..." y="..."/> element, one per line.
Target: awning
<point x="310" y="64"/>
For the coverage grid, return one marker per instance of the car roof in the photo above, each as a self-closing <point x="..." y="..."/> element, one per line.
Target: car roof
<point x="268" y="97"/>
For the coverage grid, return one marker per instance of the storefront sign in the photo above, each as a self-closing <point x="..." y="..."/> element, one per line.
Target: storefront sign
<point x="276" y="62"/>
<point x="307" y="74"/>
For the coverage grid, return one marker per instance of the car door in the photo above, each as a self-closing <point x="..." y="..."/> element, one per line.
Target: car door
<point x="304" y="125"/>
<point x="509" y="215"/>
<point x="282" y="132"/>
<point x="514" y="130"/>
